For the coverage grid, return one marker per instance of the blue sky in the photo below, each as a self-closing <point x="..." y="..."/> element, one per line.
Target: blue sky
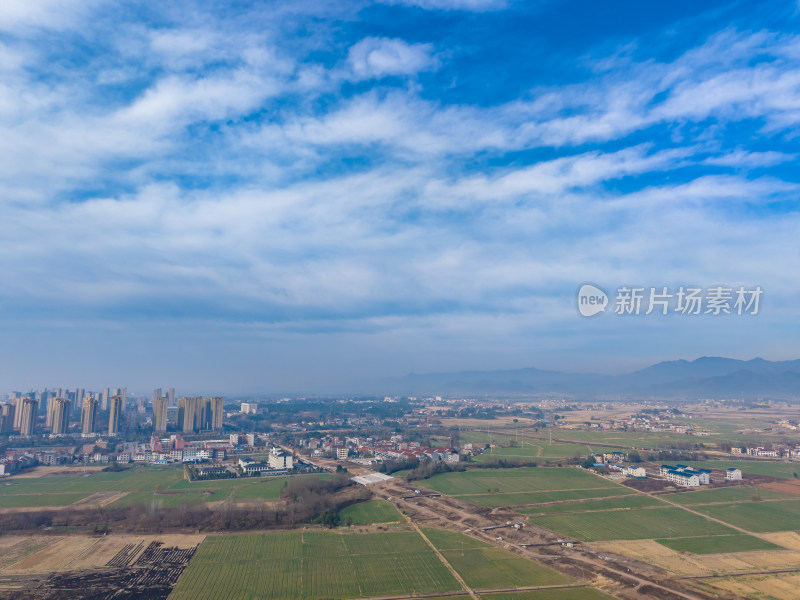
<point x="300" y="196"/>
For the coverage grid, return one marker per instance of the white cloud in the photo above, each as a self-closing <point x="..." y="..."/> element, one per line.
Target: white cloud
<point x="46" y="14"/>
<point x="221" y="178"/>
<point x="381" y="57"/>
<point x="468" y="5"/>
<point x="750" y="160"/>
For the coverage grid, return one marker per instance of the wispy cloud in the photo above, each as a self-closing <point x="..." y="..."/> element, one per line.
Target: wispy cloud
<point x="467" y="5"/>
<point x="380" y="57"/>
<point x="236" y="169"/>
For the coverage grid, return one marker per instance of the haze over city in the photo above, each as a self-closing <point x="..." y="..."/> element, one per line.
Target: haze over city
<point x="311" y="196"/>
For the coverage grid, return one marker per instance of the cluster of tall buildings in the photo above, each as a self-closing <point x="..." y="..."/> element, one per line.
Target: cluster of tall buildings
<point x="199" y="414"/>
<point x="60" y="407"/>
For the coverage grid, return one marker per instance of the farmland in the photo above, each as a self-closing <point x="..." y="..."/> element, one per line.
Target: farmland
<point x="535" y="451"/>
<point x="152" y="486"/>
<point x="489" y="500"/>
<point x="718" y="544"/>
<point x="526" y="485"/>
<point x="571" y="593"/>
<point x="780" y="515"/>
<point x="372" y="511"/>
<point x="733" y="494"/>
<point x="71" y="566"/>
<point x="524" y="479"/>
<point x="638" y="501"/>
<point x="632" y="524"/>
<point x="486" y="567"/>
<point x="318" y="564"/>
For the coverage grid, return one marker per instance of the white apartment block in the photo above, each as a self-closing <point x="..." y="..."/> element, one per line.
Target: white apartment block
<point x="733" y="474"/>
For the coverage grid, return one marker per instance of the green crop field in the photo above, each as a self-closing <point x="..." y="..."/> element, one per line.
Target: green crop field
<point x="732" y="494"/>
<point x="522" y="498"/>
<point x="630" y="524"/>
<point x="492" y="568"/>
<point x="524" y="479"/>
<point x="481" y="437"/>
<point x="718" y="544"/>
<point x="450" y="540"/>
<point x="625" y="439"/>
<point x="133" y="479"/>
<point x="779" y="515"/>
<point x="55" y="499"/>
<point x="320" y="564"/>
<point x="372" y="511"/>
<point x="535" y="450"/>
<point x="487" y="567"/>
<point x="639" y="501"/>
<point x="570" y="593"/>
<point x="149" y="485"/>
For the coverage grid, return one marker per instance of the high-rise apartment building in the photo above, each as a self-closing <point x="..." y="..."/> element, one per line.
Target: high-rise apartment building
<point x="89" y="414"/>
<point x="171" y="396"/>
<point x="105" y="395"/>
<point x="7" y="418"/>
<point x="18" y="400"/>
<point x="216" y="412"/>
<point x="188" y="417"/>
<point x="124" y="393"/>
<point x="51" y="405"/>
<point x="115" y="409"/>
<point x="160" y="404"/>
<point x="27" y="424"/>
<point x="198" y="414"/>
<point x="61" y="415"/>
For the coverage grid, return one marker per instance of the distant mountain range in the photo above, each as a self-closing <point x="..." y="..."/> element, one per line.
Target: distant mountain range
<point x="706" y="377"/>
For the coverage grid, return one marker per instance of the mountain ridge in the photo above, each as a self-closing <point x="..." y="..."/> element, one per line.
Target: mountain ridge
<point x="706" y="376"/>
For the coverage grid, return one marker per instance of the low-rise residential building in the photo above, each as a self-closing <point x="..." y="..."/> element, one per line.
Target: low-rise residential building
<point x="733" y="474"/>
<point x="255" y="468"/>
<point x="634" y="471"/>
<point x="685" y="476"/>
<point x="206" y="471"/>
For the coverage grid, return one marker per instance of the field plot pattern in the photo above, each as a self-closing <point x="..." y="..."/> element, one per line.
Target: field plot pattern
<point x="485" y="567"/>
<point x="320" y="564"/>
<point x="629" y="525"/>
<point x="93" y="568"/>
<point x="618" y="503"/>
<point x="160" y="487"/>
<point x="719" y="544"/>
<point x="779" y="515"/>
<point x="492" y="488"/>
<point x="372" y="511"/>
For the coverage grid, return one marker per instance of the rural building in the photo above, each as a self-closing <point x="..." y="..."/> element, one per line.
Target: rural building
<point x="210" y="471"/>
<point x="634" y="471"/>
<point x="278" y="459"/>
<point x="733" y="474"/>
<point x="253" y="468"/>
<point x="685" y="476"/>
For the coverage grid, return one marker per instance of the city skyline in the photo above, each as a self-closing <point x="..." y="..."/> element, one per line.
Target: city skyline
<point x="300" y="198"/>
